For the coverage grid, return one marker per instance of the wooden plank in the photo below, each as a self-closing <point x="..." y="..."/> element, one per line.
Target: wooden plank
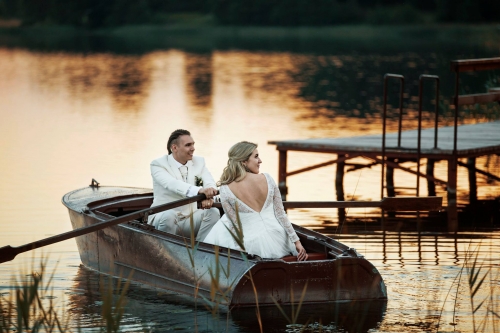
<point x="479" y="98"/>
<point x="431" y="186"/>
<point x="282" y="173"/>
<point x="487" y="174"/>
<point x="470" y="65"/>
<point x="471" y="165"/>
<point x="312" y="167"/>
<point x="402" y="204"/>
<point x="397" y="166"/>
<point x="451" y="190"/>
<point x="474" y="139"/>
<point x="339" y="186"/>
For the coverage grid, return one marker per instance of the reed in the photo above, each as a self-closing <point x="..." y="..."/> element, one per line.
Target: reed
<point x="30" y="305"/>
<point x="113" y="303"/>
<point x="192" y="248"/>
<point x="295" y="313"/>
<point x="219" y="294"/>
<point x="219" y="270"/>
<point x="482" y="292"/>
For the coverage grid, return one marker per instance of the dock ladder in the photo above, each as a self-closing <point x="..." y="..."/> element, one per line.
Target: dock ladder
<point x="391" y="163"/>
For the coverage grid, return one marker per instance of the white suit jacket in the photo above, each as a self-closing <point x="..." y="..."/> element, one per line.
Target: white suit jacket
<point x="168" y="185"/>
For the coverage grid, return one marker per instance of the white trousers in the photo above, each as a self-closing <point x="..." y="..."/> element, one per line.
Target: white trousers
<point x="203" y="221"/>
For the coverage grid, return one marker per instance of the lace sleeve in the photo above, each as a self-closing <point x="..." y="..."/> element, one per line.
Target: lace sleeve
<point x="279" y="212"/>
<point x="228" y="203"/>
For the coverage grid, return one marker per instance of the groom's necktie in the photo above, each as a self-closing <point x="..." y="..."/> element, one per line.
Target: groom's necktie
<point x="184" y="173"/>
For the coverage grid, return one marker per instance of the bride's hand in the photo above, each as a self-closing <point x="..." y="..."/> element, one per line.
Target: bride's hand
<point x="301" y="252"/>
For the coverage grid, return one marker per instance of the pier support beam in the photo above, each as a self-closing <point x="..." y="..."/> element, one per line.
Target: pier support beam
<point x="389" y="179"/>
<point x="452" y="195"/>
<point x="431" y="186"/>
<point x="282" y="174"/>
<point x="471" y="165"/>
<point x="339" y="184"/>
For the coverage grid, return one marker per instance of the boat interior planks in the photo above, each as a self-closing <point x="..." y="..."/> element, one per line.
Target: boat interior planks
<point x="137" y="251"/>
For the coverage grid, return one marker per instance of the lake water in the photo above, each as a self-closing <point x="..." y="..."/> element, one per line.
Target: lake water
<point x="77" y="107"/>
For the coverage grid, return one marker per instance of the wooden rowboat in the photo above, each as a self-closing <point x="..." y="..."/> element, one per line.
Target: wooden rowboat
<point x="334" y="272"/>
<point x="112" y="238"/>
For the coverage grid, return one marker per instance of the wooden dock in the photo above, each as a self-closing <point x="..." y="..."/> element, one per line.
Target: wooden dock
<point x="391" y="150"/>
<point x="472" y="141"/>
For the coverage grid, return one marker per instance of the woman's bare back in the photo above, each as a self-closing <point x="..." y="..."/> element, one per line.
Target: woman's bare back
<point x="252" y="190"/>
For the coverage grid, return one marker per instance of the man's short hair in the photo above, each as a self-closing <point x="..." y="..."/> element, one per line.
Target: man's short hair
<point x="174" y="138"/>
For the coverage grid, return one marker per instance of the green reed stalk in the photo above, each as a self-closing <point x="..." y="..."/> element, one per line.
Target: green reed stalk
<point x="112" y="311"/>
<point x="492" y="306"/>
<point x="257" y="309"/>
<point x="26" y="309"/>
<point x="477" y="276"/>
<point x="475" y="280"/>
<point x="31" y="308"/>
<point x="295" y="314"/>
<point x="217" y="293"/>
<point x="192" y="252"/>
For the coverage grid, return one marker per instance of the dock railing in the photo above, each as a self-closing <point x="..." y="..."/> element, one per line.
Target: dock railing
<point x="389" y="182"/>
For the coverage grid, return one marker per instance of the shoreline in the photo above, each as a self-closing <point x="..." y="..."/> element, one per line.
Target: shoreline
<point x="359" y="38"/>
<point x="352" y="30"/>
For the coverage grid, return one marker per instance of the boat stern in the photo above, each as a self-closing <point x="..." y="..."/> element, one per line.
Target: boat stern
<point x="283" y="283"/>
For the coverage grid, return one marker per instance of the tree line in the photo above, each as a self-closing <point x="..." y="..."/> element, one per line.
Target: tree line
<point x="110" y="13"/>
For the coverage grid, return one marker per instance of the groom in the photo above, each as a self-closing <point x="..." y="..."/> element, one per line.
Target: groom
<point x="179" y="175"/>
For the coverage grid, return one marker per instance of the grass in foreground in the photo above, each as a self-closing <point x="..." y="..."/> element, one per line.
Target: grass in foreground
<point x="30" y="305"/>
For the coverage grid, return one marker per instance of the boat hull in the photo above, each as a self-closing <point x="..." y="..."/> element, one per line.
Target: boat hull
<point x="136" y="251"/>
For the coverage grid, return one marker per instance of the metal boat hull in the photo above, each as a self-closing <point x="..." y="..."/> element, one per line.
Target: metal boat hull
<point x="136" y="251"/>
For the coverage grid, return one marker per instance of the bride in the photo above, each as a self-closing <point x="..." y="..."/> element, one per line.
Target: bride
<point x="256" y="199"/>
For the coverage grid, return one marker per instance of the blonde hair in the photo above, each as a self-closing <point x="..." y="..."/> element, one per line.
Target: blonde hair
<point x="235" y="171"/>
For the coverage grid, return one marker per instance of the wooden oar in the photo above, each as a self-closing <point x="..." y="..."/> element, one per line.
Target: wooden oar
<point x="401" y="204"/>
<point x="7" y="253"/>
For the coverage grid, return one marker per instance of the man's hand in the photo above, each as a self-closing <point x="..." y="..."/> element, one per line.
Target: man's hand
<point x="209" y="192"/>
<point x="206" y="204"/>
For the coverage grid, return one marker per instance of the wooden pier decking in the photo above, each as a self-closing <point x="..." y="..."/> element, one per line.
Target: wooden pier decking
<point x="472" y="141"/>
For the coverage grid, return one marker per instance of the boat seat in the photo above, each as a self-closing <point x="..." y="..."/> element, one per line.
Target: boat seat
<point x="312" y="256"/>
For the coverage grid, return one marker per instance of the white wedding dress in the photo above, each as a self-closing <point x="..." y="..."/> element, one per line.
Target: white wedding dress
<point x="268" y="233"/>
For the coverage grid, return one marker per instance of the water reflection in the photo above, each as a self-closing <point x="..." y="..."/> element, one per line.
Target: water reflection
<point x="126" y="79"/>
<point x="356" y="317"/>
<point x="424" y="277"/>
<point x="153" y="310"/>
<point x="129" y="82"/>
<point x="199" y="71"/>
<point x="147" y="309"/>
<point x="424" y="274"/>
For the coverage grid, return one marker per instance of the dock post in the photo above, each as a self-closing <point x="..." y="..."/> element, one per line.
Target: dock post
<point x="389" y="180"/>
<point x="431" y="186"/>
<point x="452" y="195"/>
<point x="339" y="185"/>
<point x="471" y="166"/>
<point x="282" y="174"/>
